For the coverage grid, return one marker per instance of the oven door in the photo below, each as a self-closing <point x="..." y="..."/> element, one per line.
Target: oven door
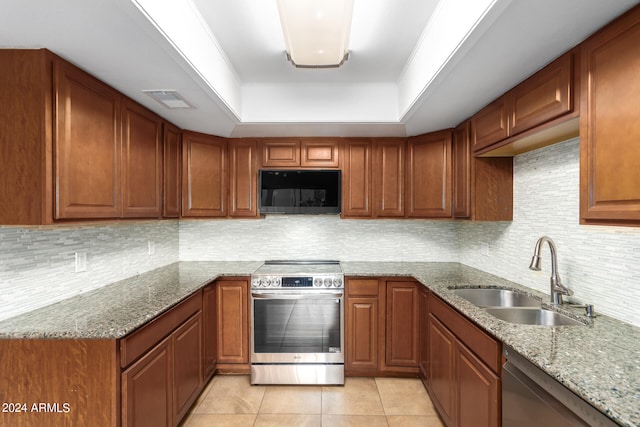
<point x="297" y="326"/>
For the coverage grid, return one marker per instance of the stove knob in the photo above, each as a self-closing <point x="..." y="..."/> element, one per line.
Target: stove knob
<point x="337" y="282"/>
<point x="327" y="282"/>
<point x="275" y="282"/>
<point x="255" y="283"/>
<point x="264" y="282"/>
<point x="317" y="282"/>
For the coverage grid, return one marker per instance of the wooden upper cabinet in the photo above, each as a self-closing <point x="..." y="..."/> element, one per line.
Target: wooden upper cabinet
<point x="491" y="124"/>
<point x="461" y="170"/>
<point x="544" y="96"/>
<point x="320" y="153"/>
<point x="142" y="149"/>
<point x="482" y="186"/>
<point x="388" y="183"/>
<point x="87" y="146"/>
<point x="172" y="188"/>
<point x="26" y="93"/>
<point x="243" y="178"/>
<point x="534" y="113"/>
<point x="281" y="152"/>
<point x="428" y="179"/>
<point x="356" y="178"/>
<point x="204" y="175"/>
<point x="609" y="124"/>
<point x="306" y="152"/>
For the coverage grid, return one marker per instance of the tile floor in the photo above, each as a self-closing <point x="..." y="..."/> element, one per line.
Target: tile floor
<point x="230" y="400"/>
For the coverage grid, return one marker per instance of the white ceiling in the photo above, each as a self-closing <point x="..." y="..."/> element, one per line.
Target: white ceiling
<point x="415" y="65"/>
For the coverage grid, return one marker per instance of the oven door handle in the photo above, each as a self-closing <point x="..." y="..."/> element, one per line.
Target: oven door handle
<point x="297" y="296"/>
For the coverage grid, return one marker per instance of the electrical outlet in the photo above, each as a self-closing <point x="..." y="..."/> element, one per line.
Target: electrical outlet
<point x="152" y="247"/>
<point x="81" y="262"/>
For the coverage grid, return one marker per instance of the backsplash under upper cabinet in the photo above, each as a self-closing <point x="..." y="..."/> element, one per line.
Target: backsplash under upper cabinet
<point x="601" y="264"/>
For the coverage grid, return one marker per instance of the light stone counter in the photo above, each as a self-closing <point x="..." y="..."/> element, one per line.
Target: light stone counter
<point x="599" y="361"/>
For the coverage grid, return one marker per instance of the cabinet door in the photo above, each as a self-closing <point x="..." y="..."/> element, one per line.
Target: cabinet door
<point x="356" y="179"/>
<point x="210" y="339"/>
<point x="147" y="389"/>
<point x="478" y="400"/>
<point x="423" y="334"/>
<point x="491" y="124"/>
<point x="187" y="365"/>
<point x="243" y="178"/>
<point x="429" y="176"/>
<point x="609" y="125"/>
<point x="361" y="338"/>
<point x="388" y="186"/>
<point x="142" y="162"/>
<point x="320" y="153"/>
<point x="462" y="171"/>
<point x="544" y="96"/>
<point x="281" y="153"/>
<point x="402" y="324"/>
<point x="172" y="190"/>
<point x="233" y="333"/>
<point x="492" y="189"/>
<point x="87" y="146"/>
<point x="204" y="171"/>
<point x="441" y="373"/>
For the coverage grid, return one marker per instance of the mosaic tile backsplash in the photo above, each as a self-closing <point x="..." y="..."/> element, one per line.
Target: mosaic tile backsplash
<point x="600" y="264"/>
<point x="37" y="264"/>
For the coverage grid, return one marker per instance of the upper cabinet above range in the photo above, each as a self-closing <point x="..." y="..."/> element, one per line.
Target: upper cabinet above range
<point x="301" y="152"/>
<point x="541" y="110"/>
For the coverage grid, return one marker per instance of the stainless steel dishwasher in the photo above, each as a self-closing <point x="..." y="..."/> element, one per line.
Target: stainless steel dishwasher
<point x="530" y="397"/>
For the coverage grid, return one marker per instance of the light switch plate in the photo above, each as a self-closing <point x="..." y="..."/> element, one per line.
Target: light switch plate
<point x="81" y="262"/>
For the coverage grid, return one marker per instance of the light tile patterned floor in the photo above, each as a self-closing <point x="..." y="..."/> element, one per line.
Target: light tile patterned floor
<point x="230" y="400"/>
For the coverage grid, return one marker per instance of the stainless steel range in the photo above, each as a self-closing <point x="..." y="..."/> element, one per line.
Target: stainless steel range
<point x="297" y="323"/>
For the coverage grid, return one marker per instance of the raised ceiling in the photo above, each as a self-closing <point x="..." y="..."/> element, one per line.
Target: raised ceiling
<point x="415" y="65"/>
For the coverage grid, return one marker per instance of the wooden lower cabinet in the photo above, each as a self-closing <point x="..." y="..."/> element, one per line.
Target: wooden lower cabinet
<point x="478" y="391"/>
<point x="442" y="369"/>
<point x="464" y="385"/>
<point x="187" y="365"/>
<point x="381" y="330"/>
<point x="209" y="331"/>
<point x="363" y="325"/>
<point x="147" y="389"/>
<point x="423" y="335"/>
<point x="233" y="324"/>
<point x="402" y="320"/>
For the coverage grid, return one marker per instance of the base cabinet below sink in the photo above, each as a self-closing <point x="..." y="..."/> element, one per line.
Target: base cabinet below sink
<point x="463" y="369"/>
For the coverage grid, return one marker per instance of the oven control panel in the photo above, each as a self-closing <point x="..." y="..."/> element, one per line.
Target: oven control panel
<point x="324" y="281"/>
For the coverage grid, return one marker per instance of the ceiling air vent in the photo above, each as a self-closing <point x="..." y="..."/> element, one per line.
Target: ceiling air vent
<point x="168" y="98"/>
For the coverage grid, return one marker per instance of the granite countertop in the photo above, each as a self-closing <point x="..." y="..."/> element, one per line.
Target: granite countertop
<point x="600" y="361"/>
<point x="115" y="310"/>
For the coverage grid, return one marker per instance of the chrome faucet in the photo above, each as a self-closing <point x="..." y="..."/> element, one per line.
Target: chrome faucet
<point x="557" y="290"/>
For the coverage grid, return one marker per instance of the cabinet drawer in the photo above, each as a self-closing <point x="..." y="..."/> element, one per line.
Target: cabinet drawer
<point x="479" y="342"/>
<point x="145" y="337"/>
<point x="365" y="287"/>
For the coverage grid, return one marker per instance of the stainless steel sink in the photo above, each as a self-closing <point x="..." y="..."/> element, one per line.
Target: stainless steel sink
<point x="497" y="297"/>
<point x="532" y="316"/>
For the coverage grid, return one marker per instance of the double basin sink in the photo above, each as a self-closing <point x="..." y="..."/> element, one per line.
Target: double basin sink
<point x="514" y="307"/>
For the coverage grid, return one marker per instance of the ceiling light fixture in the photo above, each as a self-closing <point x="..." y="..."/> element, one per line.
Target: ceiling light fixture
<point x="316" y="32"/>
